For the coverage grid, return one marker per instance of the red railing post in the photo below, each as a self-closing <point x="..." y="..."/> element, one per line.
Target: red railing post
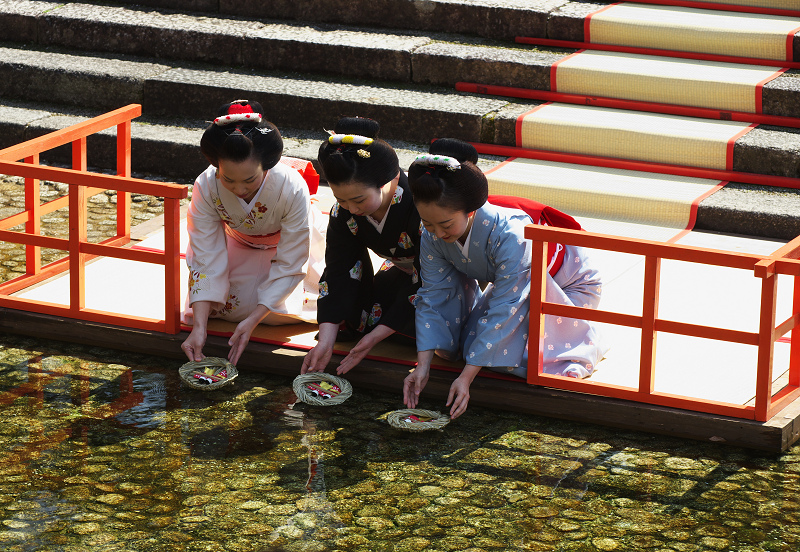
<point x="647" y="353"/>
<point x="172" y="271"/>
<point x="794" y="351"/>
<point x="33" y="257"/>
<point x="77" y="231"/>
<point x="82" y="185"/>
<point x="124" y="169"/>
<point x="535" y="316"/>
<point x="766" y="343"/>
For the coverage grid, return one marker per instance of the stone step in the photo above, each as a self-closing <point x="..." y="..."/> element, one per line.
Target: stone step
<point x="410" y="56"/>
<point x="409" y="112"/>
<point x="405" y="57"/>
<point x="504" y="19"/>
<point x="393" y="65"/>
<point x="166" y="147"/>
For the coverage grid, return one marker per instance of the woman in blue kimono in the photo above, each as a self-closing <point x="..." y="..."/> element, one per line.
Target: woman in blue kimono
<point x="374" y="211"/>
<point x="469" y="239"/>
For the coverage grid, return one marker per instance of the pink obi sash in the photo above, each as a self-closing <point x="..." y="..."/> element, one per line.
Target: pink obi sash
<point x="265" y="241"/>
<point x="545" y="215"/>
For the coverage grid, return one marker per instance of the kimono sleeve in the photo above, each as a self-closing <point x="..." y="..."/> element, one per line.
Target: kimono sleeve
<point x="579" y="279"/>
<point x="207" y="254"/>
<point x="346" y="263"/>
<point x="399" y="311"/>
<point x="442" y="301"/>
<point x="291" y="257"/>
<point x="505" y="318"/>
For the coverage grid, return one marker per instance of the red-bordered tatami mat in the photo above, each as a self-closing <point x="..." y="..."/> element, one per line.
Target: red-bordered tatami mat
<point x="693" y="30"/>
<point x="664" y="80"/>
<point x="618" y="133"/>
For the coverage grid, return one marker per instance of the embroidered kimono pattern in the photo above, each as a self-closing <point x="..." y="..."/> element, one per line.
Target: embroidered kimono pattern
<point x="490" y="327"/>
<point x="270" y="255"/>
<point x="354" y="293"/>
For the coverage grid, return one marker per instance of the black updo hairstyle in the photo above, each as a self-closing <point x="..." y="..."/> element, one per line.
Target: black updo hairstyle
<point x="465" y="189"/>
<point x="241" y="140"/>
<point x="342" y="163"/>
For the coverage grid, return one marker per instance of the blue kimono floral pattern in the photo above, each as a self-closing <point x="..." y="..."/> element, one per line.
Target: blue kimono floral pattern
<point x="490" y="327"/>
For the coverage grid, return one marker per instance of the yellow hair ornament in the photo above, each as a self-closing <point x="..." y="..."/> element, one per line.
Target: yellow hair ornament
<point x="336" y="139"/>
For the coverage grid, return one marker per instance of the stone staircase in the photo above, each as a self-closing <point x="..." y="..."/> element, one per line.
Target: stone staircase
<point x="310" y="62"/>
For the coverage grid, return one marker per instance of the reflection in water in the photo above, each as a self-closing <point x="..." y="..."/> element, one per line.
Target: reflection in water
<point x="101" y="450"/>
<point x="150" y="411"/>
<point x="314" y="510"/>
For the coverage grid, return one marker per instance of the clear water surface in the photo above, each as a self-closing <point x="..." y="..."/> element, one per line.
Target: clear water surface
<point x="108" y="451"/>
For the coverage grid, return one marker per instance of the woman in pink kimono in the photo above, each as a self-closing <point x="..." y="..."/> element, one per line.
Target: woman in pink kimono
<point x="256" y="244"/>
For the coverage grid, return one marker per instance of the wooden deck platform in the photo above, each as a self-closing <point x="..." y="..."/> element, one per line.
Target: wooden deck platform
<point x="775" y="435"/>
<point x="715" y="371"/>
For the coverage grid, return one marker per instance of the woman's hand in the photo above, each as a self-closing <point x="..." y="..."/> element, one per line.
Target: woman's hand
<point x="317" y="359"/>
<point x="193" y="345"/>
<point x="244" y="329"/>
<point x="459" y="391"/>
<point x="416" y="380"/>
<point x="363" y="347"/>
<point x="240" y="339"/>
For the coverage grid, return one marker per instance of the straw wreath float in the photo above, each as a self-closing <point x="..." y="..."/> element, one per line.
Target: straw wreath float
<point x="417" y="419"/>
<point x="208" y="374"/>
<point x="321" y="389"/>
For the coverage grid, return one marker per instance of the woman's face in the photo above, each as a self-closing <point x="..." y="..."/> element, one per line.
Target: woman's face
<point x="444" y="223"/>
<point x="242" y="178"/>
<point x="359" y="199"/>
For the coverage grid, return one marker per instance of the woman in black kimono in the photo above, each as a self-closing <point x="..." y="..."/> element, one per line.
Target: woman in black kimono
<point x="374" y="211"/>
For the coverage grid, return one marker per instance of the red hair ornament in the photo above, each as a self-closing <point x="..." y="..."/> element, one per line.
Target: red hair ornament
<point x="238" y="113"/>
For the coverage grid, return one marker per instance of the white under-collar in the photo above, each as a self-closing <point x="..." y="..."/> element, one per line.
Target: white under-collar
<point x="379" y="225"/>
<point x="396" y="197"/>
<point x="465" y="248"/>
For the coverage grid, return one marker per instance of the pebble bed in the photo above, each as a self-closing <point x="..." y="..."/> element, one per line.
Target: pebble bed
<point x="102" y="450"/>
<point x="109" y="451"/>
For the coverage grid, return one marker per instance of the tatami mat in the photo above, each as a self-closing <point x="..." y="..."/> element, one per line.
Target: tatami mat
<point x="636" y="135"/>
<point x="772" y="4"/>
<point x="610" y="194"/>
<point x="693" y="30"/>
<point x="714" y="85"/>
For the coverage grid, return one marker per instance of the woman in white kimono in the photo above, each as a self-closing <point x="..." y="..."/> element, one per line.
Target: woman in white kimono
<point x="375" y="212"/>
<point x="251" y="231"/>
<point x="468" y="240"/>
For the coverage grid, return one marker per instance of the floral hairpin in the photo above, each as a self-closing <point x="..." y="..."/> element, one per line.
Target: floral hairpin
<point x="442" y="160"/>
